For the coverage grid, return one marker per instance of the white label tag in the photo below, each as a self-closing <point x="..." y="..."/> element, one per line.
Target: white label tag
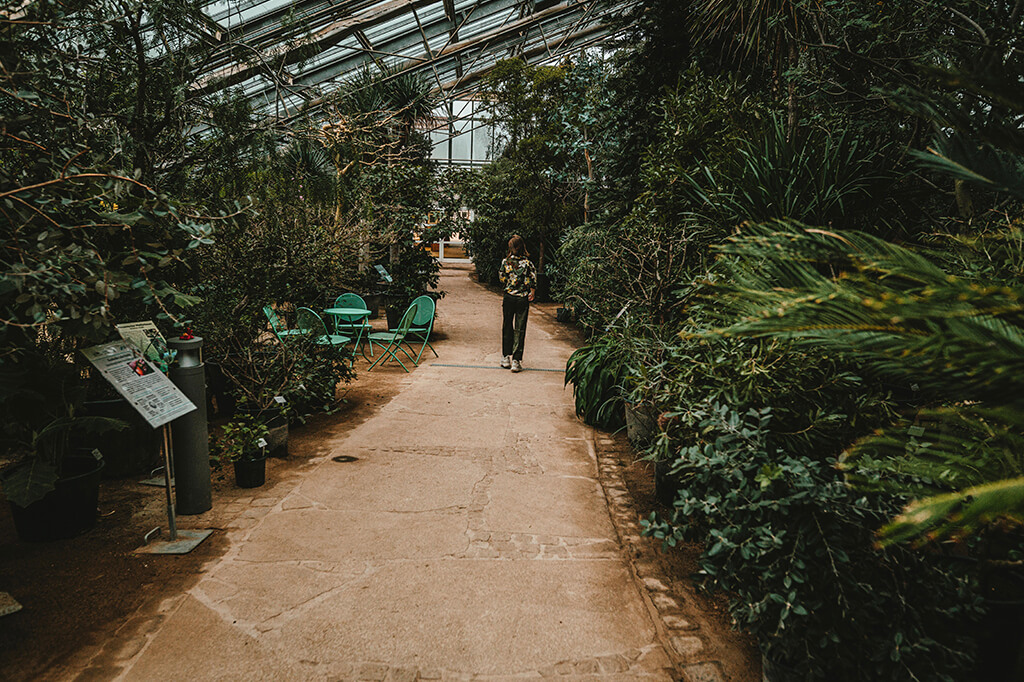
<point x="262" y="442"/>
<point x="279" y="399"/>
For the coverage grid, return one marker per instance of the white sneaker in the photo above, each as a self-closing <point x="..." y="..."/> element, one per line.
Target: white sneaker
<point x="506" y="361"/>
<point x="517" y="366"/>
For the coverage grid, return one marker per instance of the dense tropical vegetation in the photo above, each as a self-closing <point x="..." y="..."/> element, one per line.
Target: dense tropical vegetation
<point x="793" y="230"/>
<point x="130" y="191"/>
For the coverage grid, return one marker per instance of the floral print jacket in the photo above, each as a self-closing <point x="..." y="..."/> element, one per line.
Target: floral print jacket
<point x="518" y="275"/>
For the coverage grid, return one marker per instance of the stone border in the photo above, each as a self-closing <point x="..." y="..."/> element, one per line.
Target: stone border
<point x="673" y="618"/>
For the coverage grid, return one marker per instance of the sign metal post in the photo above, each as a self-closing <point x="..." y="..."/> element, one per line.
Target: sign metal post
<point x="160" y="402"/>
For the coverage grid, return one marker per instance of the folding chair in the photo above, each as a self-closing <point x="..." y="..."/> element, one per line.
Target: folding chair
<point x="423" y="325"/>
<point x="312" y="325"/>
<point x="277" y="326"/>
<point x="392" y="341"/>
<point x="353" y="325"/>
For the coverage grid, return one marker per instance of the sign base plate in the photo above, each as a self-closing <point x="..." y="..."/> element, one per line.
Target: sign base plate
<point x="186" y="542"/>
<point x="8" y="605"/>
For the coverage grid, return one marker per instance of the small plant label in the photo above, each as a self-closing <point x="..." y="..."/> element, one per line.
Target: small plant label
<point x="262" y="442"/>
<point x="916" y="431"/>
<point x="280" y="399"/>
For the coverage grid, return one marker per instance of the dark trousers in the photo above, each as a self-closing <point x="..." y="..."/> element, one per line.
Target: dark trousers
<point x="514" y="311"/>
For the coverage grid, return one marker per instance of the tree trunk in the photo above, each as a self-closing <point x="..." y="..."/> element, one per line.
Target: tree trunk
<point x="963" y="199"/>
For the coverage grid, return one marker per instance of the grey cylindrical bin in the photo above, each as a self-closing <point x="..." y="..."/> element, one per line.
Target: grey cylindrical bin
<point x="191" y="438"/>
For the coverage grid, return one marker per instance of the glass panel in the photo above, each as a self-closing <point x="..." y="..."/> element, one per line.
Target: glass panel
<point x="481" y="142"/>
<point x="460" y="146"/>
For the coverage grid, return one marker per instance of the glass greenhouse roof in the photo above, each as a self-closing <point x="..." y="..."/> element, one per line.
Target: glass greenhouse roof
<point x="287" y="54"/>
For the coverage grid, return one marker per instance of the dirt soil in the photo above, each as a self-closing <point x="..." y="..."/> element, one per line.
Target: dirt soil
<point x="76" y="593"/>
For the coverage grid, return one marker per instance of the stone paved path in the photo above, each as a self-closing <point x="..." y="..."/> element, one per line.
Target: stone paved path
<point x="471" y="539"/>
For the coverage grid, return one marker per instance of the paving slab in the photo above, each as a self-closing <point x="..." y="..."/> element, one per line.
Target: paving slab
<point x="328" y="535"/>
<point x="550" y="505"/>
<point x="414" y="431"/>
<point x="196" y="643"/>
<point x="394" y="481"/>
<point x="478" y="616"/>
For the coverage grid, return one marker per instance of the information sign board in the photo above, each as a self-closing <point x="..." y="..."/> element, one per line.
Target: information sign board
<point x="148" y="339"/>
<point x="150" y="392"/>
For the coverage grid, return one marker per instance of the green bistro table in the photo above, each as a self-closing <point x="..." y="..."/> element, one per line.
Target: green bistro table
<point x="351" y="320"/>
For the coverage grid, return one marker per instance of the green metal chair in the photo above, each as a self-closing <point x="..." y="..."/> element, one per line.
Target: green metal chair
<point x="423" y="325"/>
<point x="392" y="341"/>
<point x="278" y="327"/>
<point x="313" y="327"/>
<point x="352" y="325"/>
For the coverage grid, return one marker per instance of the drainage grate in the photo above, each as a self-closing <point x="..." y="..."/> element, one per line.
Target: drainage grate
<point x="344" y="459"/>
<point x="525" y="369"/>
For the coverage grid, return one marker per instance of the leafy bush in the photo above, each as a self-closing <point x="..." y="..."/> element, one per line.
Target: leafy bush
<point x="792" y="545"/>
<point x="239" y="439"/>
<point x="304" y="373"/>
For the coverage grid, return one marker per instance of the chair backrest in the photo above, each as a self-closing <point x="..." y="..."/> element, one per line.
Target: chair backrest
<point x="275" y="321"/>
<point x="407" y="318"/>
<point x="350" y="301"/>
<point x="308" y="321"/>
<point x="424" y="311"/>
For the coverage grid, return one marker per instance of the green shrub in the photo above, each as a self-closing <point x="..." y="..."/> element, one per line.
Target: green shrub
<point x="597" y="373"/>
<point x="792" y="545"/>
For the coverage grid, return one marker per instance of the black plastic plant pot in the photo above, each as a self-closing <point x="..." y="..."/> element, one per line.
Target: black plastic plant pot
<point x="250" y="473"/>
<point x="394" y="316"/>
<point x="67" y="510"/>
<point x="373" y="304"/>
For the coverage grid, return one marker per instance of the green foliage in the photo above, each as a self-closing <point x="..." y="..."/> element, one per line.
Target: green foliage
<point x="239" y="439"/>
<point x="306" y="374"/>
<point x="819" y="178"/>
<point x="527" y="190"/>
<point x="596" y="372"/>
<point x="792" y="545"/>
<point x="642" y="257"/>
<point x="907" y="321"/>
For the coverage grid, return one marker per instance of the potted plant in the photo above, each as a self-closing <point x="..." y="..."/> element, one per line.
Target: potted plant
<point x="243" y="442"/>
<point x="258" y="375"/>
<point x="52" y="481"/>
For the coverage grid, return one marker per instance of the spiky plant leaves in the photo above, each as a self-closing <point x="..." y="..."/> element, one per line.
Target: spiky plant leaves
<point x="905" y="320"/>
<point x="815" y="178"/>
<point x="980" y="164"/>
<point x="957" y="513"/>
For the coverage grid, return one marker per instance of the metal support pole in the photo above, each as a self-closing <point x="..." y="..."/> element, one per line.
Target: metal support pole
<point x="168" y="459"/>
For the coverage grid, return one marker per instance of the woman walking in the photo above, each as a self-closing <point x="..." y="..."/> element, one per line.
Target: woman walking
<point x="520" y="279"/>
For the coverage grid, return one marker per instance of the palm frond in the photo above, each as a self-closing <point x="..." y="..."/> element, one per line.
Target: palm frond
<point x="957" y="513"/>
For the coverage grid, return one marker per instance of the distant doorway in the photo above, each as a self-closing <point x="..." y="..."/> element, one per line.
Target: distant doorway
<point x="452" y="251"/>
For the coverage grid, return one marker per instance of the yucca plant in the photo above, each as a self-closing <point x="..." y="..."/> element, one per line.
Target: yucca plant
<point x="597" y="372"/>
<point x="816" y="177"/>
